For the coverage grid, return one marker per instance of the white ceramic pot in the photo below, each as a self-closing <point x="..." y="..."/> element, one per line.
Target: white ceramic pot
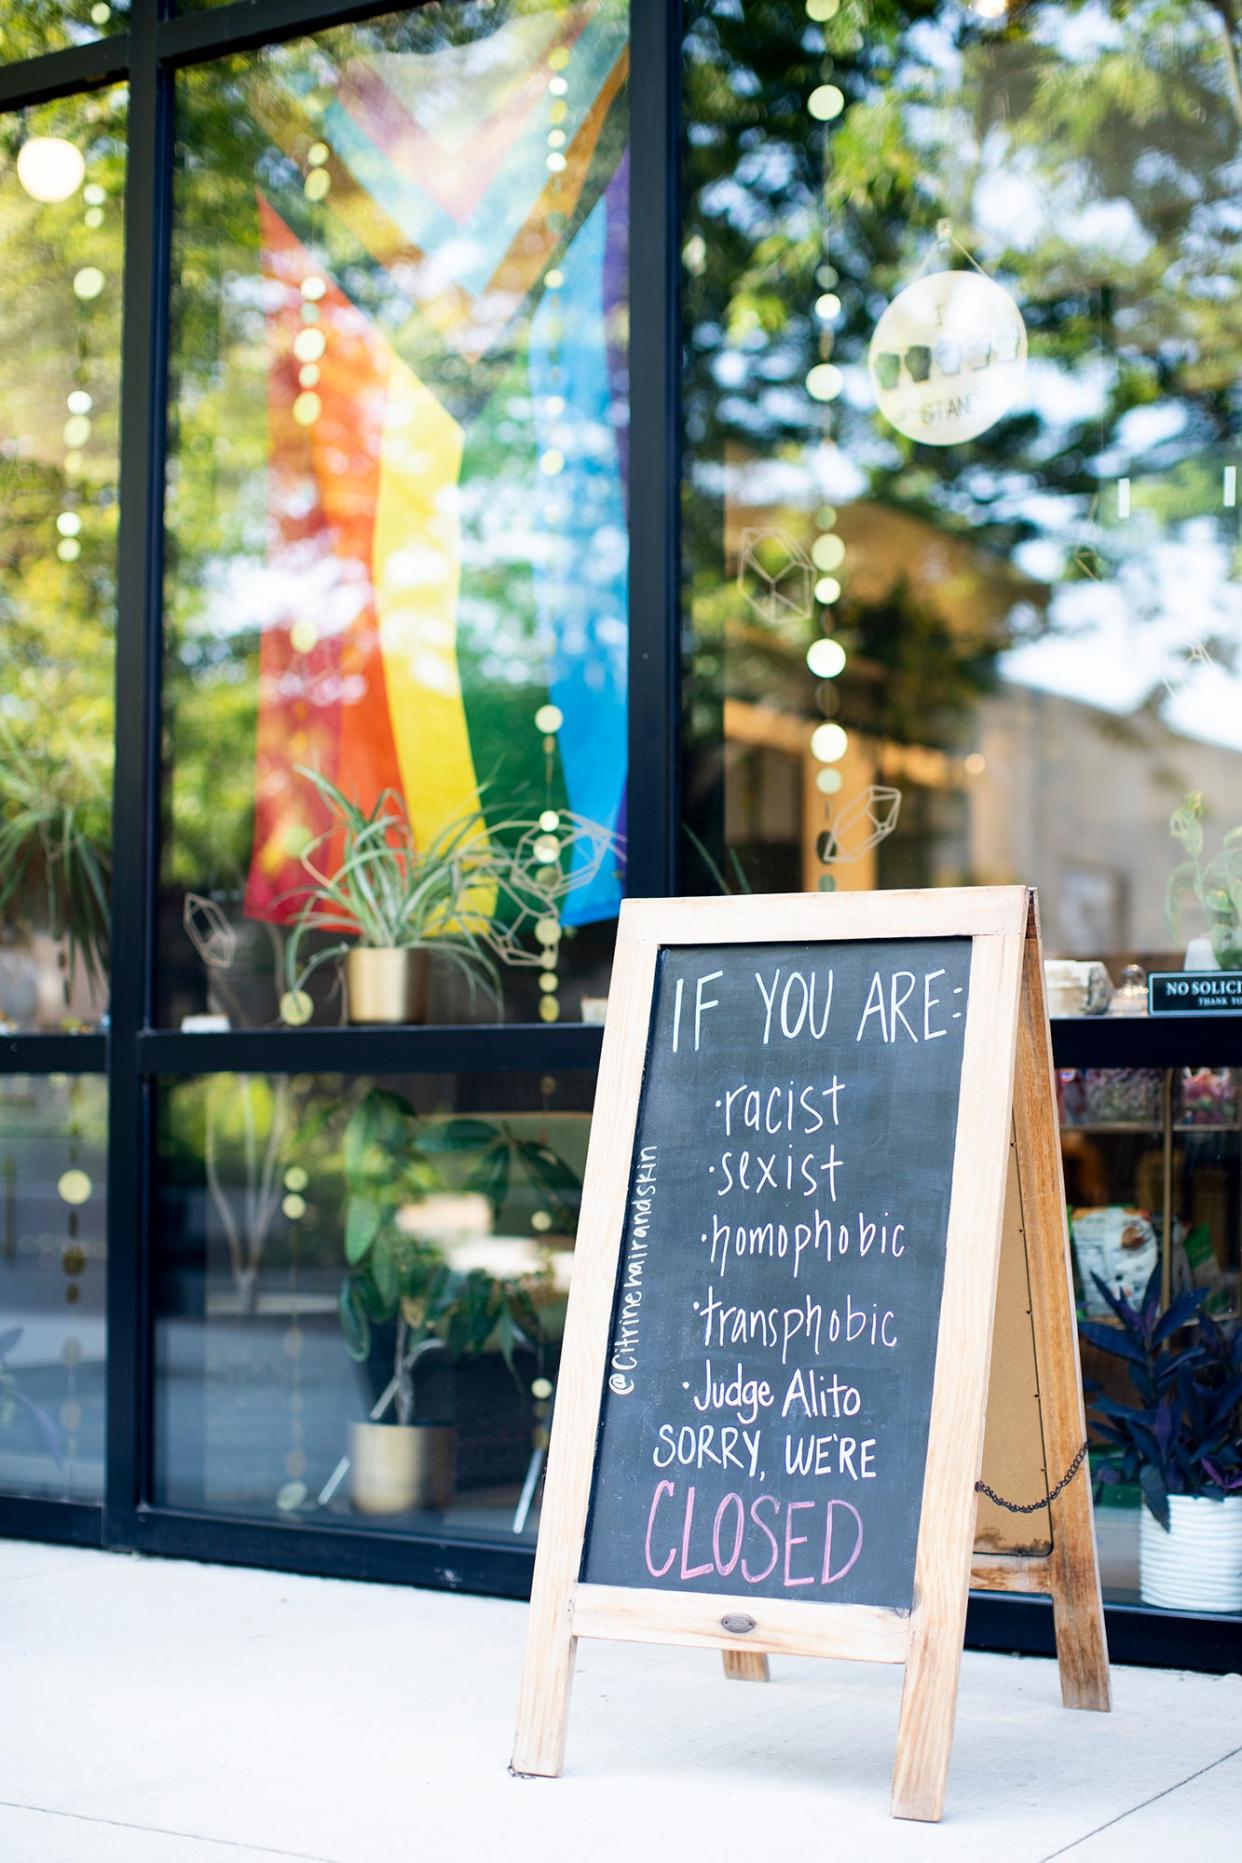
<point x="1197" y="1564"/>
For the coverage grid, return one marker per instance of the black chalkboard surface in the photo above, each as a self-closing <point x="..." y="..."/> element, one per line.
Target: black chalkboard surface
<point x="769" y="1373"/>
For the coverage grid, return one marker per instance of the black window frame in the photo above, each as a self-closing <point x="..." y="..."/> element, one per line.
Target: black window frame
<point x="135" y="1056"/>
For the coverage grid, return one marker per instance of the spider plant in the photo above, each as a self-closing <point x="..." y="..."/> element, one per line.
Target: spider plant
<point x="55" y="867"/>
<point x="1215" y="885"/>
<point x="386" y="894"/>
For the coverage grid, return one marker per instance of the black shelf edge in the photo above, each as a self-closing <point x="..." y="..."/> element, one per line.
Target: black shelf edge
<point x="60" y="1523"/>
<point x="59" y="74"/>
<point x="1138" y="1041"/>
<point x="535" y="1048"/>
<point x="1139" y="1635"/>
<point x="1147" y="1041"/>
<point x="53" y="1054"/>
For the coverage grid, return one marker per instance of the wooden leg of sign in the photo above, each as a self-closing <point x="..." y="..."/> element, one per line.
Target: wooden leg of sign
<point x="959" y="1395"/>
<point x="543" y="1702"/>
<point x="1074" y="1574"/>
<point x="746" y="1666"/>
<point x="548" y="1672"/>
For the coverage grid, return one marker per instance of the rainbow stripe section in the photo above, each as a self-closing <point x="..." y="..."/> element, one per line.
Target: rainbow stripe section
<point x="442" y="583"/>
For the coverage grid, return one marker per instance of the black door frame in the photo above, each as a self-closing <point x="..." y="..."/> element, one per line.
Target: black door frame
<point x="135" y="1056"/>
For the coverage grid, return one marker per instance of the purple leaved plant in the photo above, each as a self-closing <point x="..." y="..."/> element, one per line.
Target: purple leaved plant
<point x="1184" y="1436"/>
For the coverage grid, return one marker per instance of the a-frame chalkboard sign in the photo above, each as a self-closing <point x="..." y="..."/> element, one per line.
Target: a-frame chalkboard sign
<point x="824" y="1177"/>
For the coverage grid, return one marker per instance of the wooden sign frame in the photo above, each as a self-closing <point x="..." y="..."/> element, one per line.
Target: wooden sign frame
<point x="1006" y="1106"/>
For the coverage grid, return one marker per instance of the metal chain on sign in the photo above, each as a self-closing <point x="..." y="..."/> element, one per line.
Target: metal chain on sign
<point x="1033" y="1507"/>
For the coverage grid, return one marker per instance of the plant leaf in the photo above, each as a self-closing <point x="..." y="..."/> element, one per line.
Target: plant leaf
<point x="1113" y="1340"/>
<point x="490" y="1175"/>
<point x="385" y="1265"/>
<point x="355" y="1325"/>
<point x="1156" y="1495"/>
<point x="363" y="1217"/>
<point x="1179" y="1314"/>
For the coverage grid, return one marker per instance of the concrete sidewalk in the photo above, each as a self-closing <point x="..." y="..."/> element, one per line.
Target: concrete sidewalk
<point x="159" y="1712"/>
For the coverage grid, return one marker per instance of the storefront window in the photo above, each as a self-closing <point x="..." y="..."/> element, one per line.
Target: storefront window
<point x="949" y="399"/>
<point x="961" y="506"/>
<point x="53" y="1213"/>
<point x="961" y="531"/>
<point x="339" y="1250"/>
<point x="396" y="511"/>
<point x="62" y="177"/>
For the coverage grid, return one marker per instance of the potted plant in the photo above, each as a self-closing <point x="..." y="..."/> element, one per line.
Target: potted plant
<point x="470" y="894"/>
<point x="402" y="1275"/>
<point x="1181" y="1443"/>
<point x="391" y="904"/>
<point x="55" y="862"/>
<point x="1214" y="885"/>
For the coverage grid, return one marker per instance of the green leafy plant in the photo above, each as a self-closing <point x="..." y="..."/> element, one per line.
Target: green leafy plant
<point x="394" y="1272"/>
<point x="387" y="894"/>
<point x="1184" y="1436"/>
<point x="1214" y="885"/>
<point x="55" y="860"/>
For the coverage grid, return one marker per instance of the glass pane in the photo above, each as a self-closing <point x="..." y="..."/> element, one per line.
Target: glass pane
<point x="53" y="1340"/>
<point x="396" y="512"/>
<point x="957" y="617"/>
<point x="335" y="1251"/>
<point x="61" y="202"/>
<point x="29" y="27"/>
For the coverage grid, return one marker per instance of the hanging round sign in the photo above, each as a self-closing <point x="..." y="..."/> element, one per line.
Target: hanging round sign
<point x="947" y="357"/>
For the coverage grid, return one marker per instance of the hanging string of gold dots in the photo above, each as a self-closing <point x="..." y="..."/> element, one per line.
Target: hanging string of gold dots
<point x="826" y="657"/>
<point x="548" y="721"/>
<point x="311" y="340"/>
<point x="74" y="1188"/>
<point x="309" y="348"/>
<point x="549" y="718"/>
<point x="292" y="1492"/>
<point x="53" y="169"/>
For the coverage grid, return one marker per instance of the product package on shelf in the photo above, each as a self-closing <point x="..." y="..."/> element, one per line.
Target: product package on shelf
<point x="1122" y="1095"/>
<point x="1208" y="1096"/>
<point x="1119" y="1245"/>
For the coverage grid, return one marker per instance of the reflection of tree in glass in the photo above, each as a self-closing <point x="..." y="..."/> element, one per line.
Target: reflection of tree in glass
<point x="59" y="379"/>
<point x="1086" y="155"/>
<point x="29" y="27"/>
